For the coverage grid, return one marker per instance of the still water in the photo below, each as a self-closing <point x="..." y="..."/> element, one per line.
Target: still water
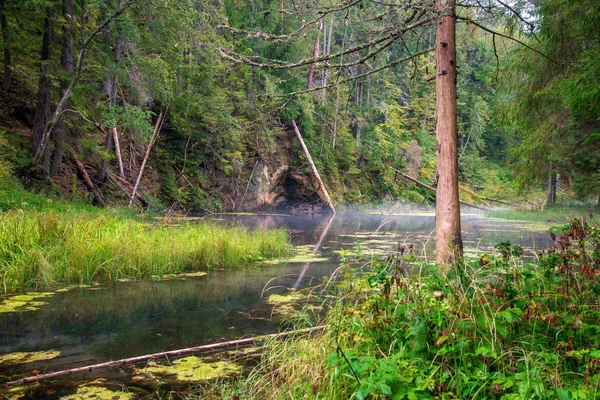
<point x="108" y="322"/>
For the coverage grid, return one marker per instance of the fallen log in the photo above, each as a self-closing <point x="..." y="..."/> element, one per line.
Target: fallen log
<point x="168" y="354"/>
<point x="313" y="167"/>
<point x="88" y="182"/>
<point x="426" y="186"/>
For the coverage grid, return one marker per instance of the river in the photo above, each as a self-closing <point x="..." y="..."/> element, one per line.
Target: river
<point x="87" y="325"/>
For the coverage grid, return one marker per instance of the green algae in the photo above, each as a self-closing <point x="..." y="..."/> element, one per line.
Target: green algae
<point x="191" y="369"/>
<point x="98" y="392"/>
<point x="180" y="277"/>
<point x="291" y="305"/>
<point x="302" y="254"/>
<point x="292" y="297"/>
<point x="24" y="302"/>
<point x="27" y="357"/>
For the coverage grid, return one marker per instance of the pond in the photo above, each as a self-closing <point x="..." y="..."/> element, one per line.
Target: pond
<point x="88" y="325"/>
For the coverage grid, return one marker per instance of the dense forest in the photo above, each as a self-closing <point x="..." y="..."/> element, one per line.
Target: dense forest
<point x="197" y="98"/>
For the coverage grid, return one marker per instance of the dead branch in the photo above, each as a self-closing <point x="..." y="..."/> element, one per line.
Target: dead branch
<point x="434" y="190"/>
<point x="88" y="182"/>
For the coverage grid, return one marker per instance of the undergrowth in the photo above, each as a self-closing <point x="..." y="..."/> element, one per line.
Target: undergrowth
<point x="49" y="249"/>
<point x="496" y="327"/>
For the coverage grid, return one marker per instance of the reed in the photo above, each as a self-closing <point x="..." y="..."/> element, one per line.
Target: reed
<point x="49" y="249"/>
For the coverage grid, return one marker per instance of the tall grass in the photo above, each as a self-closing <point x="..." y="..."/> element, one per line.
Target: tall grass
<point x="39" y="250"/>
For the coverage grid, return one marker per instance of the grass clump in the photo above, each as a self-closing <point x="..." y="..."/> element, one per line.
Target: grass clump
<point x="39" y="250"/>
<point x="497" y="327"/>
<point x="557" y="214"/>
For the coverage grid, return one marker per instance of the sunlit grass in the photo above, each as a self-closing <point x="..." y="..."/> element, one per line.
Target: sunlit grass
<point x="49" y="249"/>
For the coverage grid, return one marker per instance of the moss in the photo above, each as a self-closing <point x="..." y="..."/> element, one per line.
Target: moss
<point x="192" y="369"/>
<point x="24" y="358"/>
<point x="23" y="302"/>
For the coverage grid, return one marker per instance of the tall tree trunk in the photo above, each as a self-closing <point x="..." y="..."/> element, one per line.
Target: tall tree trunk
<point x="43" y="99"/>
<point x="311" y="70"/>
<point x="448" y="236"/>
<point x="551" y="195"/>
<point x="68" y="66"/>
<point x="6" y="44"/>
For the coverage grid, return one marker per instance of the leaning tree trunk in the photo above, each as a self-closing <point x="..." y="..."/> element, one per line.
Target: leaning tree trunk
<point x="448" y="237"/>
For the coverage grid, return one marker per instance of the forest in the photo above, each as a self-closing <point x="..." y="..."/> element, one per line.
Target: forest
<point x="408" y="188"/>
<point x="209" y="91"/>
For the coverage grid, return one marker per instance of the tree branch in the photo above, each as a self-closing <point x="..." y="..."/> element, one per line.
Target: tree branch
<point x="354" y="78"/>
<point x="274" y="64"/>
<point x="470" y="21"/>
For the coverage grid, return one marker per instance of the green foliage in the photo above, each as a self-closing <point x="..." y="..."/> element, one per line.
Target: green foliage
<point x="555" y="116"/>
<point x="494" y="327"/>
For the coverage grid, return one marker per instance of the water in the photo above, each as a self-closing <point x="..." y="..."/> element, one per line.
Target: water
<point x="93" y="325"/>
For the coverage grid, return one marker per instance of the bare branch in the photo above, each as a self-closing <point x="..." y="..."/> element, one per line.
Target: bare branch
<point x="274" y="64"/>
<point x="493" y="32"/>
<point x="354" y="78"/>
<point x="529" y="24"/>
<point x="279" y="38"/>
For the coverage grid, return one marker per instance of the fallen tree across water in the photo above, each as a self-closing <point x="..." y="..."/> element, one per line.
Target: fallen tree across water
<point x="168" y="354"/>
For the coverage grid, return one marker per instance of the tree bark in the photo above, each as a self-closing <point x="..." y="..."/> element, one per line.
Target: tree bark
<point x="157" y="128"/>
<point x="314" y="168"/>
<point x="449" y="245"/>
<point x="6" y="44"/>
<point x="43" y="95"/>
